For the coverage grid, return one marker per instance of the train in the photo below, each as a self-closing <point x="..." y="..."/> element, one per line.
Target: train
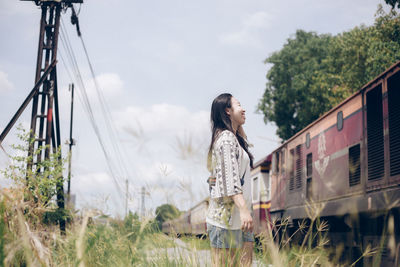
<point x="191" y="222"/>
<point x="347" y="162"/>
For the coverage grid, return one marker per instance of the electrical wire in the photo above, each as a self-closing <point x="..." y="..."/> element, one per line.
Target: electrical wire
<point x="87" y="106"/>
<point x="107" y="115"/>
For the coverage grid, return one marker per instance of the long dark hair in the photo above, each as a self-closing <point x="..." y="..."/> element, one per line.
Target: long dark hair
<point x="221" y="121"/>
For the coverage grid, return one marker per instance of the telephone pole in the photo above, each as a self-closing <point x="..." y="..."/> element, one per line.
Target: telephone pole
<point x="71" y="142"/>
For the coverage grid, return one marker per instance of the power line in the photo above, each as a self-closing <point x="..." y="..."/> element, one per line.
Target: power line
<point x="107" y="115"/>
<point x="86" y="104"/>
<point x="109" y="122"/>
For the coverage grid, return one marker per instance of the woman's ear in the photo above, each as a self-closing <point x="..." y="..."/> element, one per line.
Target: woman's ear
<point x="228" y="111"/>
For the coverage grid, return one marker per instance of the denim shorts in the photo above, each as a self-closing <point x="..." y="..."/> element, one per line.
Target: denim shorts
<point x="225" y="238"/>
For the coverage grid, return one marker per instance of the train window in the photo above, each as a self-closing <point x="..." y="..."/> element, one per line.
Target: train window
<point x="354" y="165"/>
<point x="277" y="162"/>
<point x="273" y="163"/>
<point x="339" y="122"/>
<point x="255" y="189"/>
<point x="309" y="165"/>
<point x="308" y="141"/>
<point x="267" y="187"/>
<point x="291" y="168"/>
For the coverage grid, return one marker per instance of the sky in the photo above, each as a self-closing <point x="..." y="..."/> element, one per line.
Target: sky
<point x="158" y="66"/>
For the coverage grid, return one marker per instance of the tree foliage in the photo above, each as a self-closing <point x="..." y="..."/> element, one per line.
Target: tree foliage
<point x="393" y="3"/>
<point x="41" y="182"/>
<point x="312" y="72"/>
<point x="166" y="212"/>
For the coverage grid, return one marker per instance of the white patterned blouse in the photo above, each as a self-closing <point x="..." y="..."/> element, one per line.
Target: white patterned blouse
<point x="230" y="167"/>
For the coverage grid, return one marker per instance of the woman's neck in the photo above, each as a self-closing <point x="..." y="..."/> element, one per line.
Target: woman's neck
<point x="234" y="128"/>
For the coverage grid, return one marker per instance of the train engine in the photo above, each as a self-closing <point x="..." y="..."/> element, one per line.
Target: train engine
<point x="348" y="163"/>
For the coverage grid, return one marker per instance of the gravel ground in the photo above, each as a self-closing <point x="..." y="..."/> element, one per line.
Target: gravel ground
<point x="180" y="251"/>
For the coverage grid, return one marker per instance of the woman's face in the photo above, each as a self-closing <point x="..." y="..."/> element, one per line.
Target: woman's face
<point x="236" y="113"/>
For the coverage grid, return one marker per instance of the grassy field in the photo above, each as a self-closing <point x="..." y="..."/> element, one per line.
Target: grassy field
<point x="28" y="239"/>
<point x="30" y="236"/>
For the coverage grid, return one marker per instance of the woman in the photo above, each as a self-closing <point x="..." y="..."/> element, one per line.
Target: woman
<point x="229" y="219"/>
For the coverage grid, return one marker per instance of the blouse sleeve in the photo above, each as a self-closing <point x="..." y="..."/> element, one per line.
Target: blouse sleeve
<point x="227" y="167"/>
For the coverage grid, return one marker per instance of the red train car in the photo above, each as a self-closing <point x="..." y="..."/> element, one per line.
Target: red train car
<point x="347" y="161"/>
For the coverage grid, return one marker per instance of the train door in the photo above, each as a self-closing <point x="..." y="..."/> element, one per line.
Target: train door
<point x="277" y="180"/>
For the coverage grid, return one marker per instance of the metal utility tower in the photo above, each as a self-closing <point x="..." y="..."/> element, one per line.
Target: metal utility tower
<point x="45" y="121"/>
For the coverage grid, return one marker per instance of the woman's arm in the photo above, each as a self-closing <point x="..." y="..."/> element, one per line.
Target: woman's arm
<point x="245" y="216"/>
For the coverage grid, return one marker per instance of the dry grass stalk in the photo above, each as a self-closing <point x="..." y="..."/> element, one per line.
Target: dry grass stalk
<point x="80" y="247"/>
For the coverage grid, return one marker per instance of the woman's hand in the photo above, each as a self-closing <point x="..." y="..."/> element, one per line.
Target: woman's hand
<point x="246" y="220"/>
<point x="245" y="216"/>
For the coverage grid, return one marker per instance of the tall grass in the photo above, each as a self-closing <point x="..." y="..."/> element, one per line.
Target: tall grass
<point x="130" y="242"/>
<point x="307" y="245"/>
<point x="27" y="241"/>
<point x="29" y="235"/>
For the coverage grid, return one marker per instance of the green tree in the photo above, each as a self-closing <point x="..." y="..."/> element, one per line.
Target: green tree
<point x="40" y="183"/>
<point x="359" y="55"/>
<point x="312" y="73"/>
<point x="166" y="212"/>
<point x="289" y="99"/>
<point x="393" y="3"/>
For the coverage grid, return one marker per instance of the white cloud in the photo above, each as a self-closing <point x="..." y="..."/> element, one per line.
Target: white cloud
<point x="157" y="172"/>
<point x="174" y="50"/>
<point x="242" y="37"/>
<point x="171" y="163"/>
<point x="10" y="8"/>
<point x="5" y="84"/>
<point x="251" y="27"/>
<point x="98" y="189"/>
<point x="163" y="120"/>
<point x="93" y="182"/>
<point x="110" y="85"/>
<point x="258" y="20"/>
